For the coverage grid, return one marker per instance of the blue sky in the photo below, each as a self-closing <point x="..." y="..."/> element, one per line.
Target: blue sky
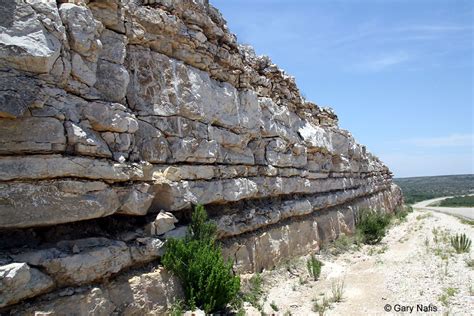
<point x="399" y="74"/>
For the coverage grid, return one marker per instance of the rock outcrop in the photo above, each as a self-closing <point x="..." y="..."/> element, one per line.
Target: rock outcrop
<point x="116" y="117"/>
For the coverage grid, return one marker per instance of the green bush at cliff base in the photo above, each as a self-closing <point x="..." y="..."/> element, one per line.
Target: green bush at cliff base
<point x="372" y="226"/>
<point x="208" y="281"/>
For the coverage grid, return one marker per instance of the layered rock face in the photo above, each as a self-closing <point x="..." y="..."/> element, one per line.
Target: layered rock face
<point x="117" y="116"/>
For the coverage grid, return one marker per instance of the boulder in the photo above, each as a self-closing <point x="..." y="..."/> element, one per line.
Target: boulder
<point x="163" y="223"/>
<point x="18" y="281"/>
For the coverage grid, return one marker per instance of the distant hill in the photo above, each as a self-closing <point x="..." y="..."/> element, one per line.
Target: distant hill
<point x="423" y="188"/>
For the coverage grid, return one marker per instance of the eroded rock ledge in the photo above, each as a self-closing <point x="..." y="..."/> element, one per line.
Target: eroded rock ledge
<point x="117" y="116"/>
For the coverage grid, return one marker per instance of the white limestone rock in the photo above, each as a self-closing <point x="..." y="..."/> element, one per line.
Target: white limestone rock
<point x="51" y="203"/>
<point x="112" y="80"/>
<point x="54" y="166"/>
<point x="163" y="223"/>
<point x="85" y="141"/>
<point x="18" y="281"/>
<point x="31" y="135"/>
<point x="113" y="46"/>
<point x="135" y="200"/>
<point x="82" y="30"/>
<point x="25" y="43"/>
<point x="110" y="117"/>
<point x="98" y="258"/>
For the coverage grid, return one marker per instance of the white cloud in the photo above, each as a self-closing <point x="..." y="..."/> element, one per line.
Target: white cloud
<point x="383" y="62"/>
<point x="453" y="140"/>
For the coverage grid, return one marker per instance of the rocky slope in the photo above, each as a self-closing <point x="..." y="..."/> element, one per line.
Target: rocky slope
<point x="117" y="116"/>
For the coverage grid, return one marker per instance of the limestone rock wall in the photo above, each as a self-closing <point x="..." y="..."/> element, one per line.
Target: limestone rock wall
<point x="117" y="116"/>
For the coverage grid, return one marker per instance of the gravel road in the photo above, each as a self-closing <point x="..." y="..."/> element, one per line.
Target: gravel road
<point x="467" y="212"/>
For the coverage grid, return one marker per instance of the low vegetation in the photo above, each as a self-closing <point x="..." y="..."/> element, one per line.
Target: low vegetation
<point x="445" y="298"/>
<point x="461" y="243"/>
<point x="255" y="292"/>
<point x="458" y="201"/>
<point x="208" y="281"/>
<point x="322" y="306"/>
<point x="314" y="267"/>
<point x="372" y="226"/>
<point x="337" y="289"/>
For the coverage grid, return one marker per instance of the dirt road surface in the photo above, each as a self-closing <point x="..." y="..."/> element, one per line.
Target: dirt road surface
<point x="413" y="267"/>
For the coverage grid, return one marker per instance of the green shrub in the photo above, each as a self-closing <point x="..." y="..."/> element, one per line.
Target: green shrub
<point x="314" y="267"/>
<point x="461" y="243"/>
<point x="176" y="309"/>
<point x="372" y="226"/>
<point x="207" y="280"/>
<point x="274" y="306"/>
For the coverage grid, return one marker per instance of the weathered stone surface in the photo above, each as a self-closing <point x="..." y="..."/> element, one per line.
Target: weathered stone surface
<point x="113" y="46"/>
<point x="50" y="203"/>
<point x="163" y="223"/>
<point x="83" y="70"/>
<point x="105" y="117"/>
<point x="196" y="192"/>
<point x="193" y="150"/>
<point x="146" y="249"/>
<point x="97" y="258"/>
<point x="135" y="200"/>
<point x="185" y="91"/>
<point x="179" y="195"/>
<point x="315" y="136"/>
<point x="110" y="13"/>
<point x="25" y="44"/>
<point x="279" y="153"/>
<point x="150" y="293"/>
<point x="85" y="141"/>
<point x="92" y="302"/>
<point x="82" y="29"/>
<point x="112" y="80"/>
<point x="56" y="166"/>
<point x="19" y="281"/>
<point x="152" y="146"/>
<point x="17" y="94"/>
<point x="31" y="135"/>
<point x="267" y="249"/>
